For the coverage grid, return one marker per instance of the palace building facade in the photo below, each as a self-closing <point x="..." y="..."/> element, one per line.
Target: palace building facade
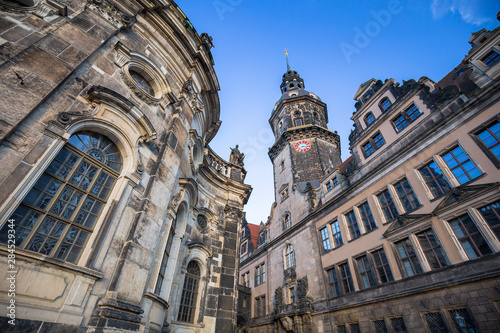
<point x="404" y="235"/>
<point x="115" y="214"/>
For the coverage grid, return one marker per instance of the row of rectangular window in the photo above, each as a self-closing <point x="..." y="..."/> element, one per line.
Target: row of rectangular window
<point x="400" y="122"/>
<point x="373" y="267"/>
<point x="458" y="163"/>
<point x="459" y="318"/>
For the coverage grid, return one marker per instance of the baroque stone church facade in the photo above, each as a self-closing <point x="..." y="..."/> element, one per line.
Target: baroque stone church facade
<point x="115" y="214"/>
<point x="404" y="235"/>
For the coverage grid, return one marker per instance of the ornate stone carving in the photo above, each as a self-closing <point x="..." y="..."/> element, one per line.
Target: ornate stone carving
<point x="233" y="212"/>
<point x="207" y="40"/>
<point x="175" y="200"/>
<point x="111" y="13"/>
<point x="302" y="287"/>
<point x="202" y="221"/>
<point x="287" y="324"/>
<point x="191" y="96"/>
<point x="278" y="297"/>
<point x="236" y="156"/>
<point x="290" y="275"/>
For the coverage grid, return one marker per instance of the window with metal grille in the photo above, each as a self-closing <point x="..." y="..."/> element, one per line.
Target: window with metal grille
<point x="435" y="322"/>
<point x="345" y="276"/>
<point x="166" y="256"/>
<point x="408" y="257"/>
<point x="406" y="195"/>
<point x="380" y="326"/>
<point x="432" y="249"/>
<point x="337" y="236"/>
<point x="490" y="138"/>
<point x="382" y="266"/>
<point x="464" y="323"/>
<point x="491" y="214"/>
<point x="491" y="58"/>
<point x="368" y="149"/>
<point x="289" y="256"/>
<point x="354" y="328"/>
<point x="398" y="325"/>
<point x="59" y="213"/>
<point x="387" y="206"/>
<point x="378" y="139"/>
<point x="460" y="164"/>
<point x="434" y="179"/>
<point x="470" y="238"/>
<point x="187" y="308"/>
<point x="325" y="238"/>
<point x="367" y="217"/>
<point x="367" y="278"/>
<point x="334" y="282"/>
<point x="352" y="225"/>
<point x="384" y="104"/>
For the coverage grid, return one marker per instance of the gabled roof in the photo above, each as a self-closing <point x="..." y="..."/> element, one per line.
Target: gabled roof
<point x="462" y="193"/>
<point x="364" y="87"/>
<point x="254" y="233"/>
<point x="403" y="221"/>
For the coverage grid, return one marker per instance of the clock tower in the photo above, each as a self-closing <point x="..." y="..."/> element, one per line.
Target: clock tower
<point x="305" y="150"/>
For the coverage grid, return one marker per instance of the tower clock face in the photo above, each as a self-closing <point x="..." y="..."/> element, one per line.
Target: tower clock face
<point x="302" y="146"/>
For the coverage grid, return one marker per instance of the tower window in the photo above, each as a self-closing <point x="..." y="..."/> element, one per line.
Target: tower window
<point x="142" y="82"/>
<point x="298" y="121"/>
<point x="59" y="213"/>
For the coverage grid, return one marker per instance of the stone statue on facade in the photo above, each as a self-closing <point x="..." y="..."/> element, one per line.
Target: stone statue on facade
<point x="287" y="323"/>
<point x="302" y="286"/>
<point x="278" y="297"/>
<point x="236" y="156"/>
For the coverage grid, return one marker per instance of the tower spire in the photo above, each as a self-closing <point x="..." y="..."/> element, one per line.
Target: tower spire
<point x="287" y="62"/>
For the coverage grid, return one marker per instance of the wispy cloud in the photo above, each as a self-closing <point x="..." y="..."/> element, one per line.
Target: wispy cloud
<point x="470" y="11"/>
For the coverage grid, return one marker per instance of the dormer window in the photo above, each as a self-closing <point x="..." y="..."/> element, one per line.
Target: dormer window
<point x="491" y="58"/>
<point x="369" y="118"/>
<point x="384" y="104"/>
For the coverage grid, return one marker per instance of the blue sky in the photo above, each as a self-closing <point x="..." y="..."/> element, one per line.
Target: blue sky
<point x="335" y="46"/>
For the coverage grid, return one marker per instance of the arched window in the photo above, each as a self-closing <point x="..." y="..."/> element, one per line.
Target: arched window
<point x="166" y="256"/>
<point x="369" y="118"/>
<point x="289" y="256"/>
<point x="59" y="213"/>
<point x="384" y="104"/>
<point x="286" y="221"/>
<point x="189" y="293"/>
